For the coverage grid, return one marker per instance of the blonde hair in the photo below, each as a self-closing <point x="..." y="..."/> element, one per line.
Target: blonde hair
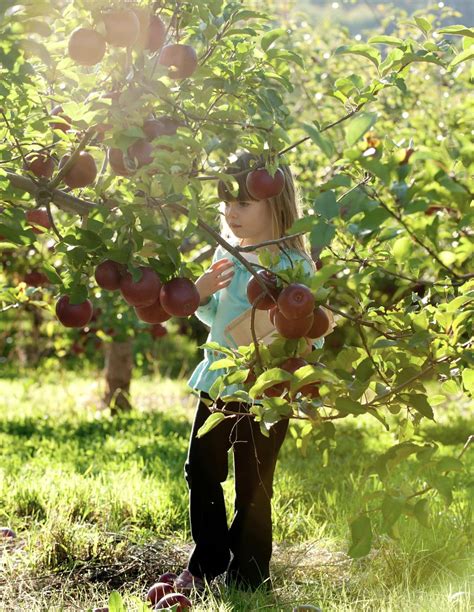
<point x="285" y="208"/>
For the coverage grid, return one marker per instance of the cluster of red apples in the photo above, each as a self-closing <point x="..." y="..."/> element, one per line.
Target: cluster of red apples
<point x="293" y="312"/>
<point x="163" y="596"/>
<point x="154" y="301"/>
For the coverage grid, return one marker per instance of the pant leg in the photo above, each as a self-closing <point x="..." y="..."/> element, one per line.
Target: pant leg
<point x="250" y="533"/>
<point x="205" y="469"/>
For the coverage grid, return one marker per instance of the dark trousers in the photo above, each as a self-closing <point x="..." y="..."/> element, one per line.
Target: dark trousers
<point x="244" y="549"/>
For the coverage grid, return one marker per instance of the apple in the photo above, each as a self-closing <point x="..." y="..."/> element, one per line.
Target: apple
<point x="122" y="27"/>
<point x="171" y="599"/>
<point x="291" y="365"/>
<point x="38" y="216"/>
<point x="262" y="185"/>
<point x="256" y="295"/>
<point x="156" y="34"/>
<point x="82" y="173"/>
<point x="310" y="390"/>
<point x="168" y="577"/>
<point x="41" y="164"/>
<point x="152" y="314"/>
<point x="143" y="292"/>
<point x="108" y="275"/>
<point x="141" y="152"/>
<point x="158" y="330"/>
<point x="36" y="279"/>
<point x="292" y="328"/>
<point x="158" y="591"/>
<point x="295" y="301"/>
<point x="179" y="297"/>
<point x="182" y="60"/>
<point x="6" y="532"/>
<point x="320" y="324"/>
<point x="65" y="124"/>
<point x="117" y="162"/>
<point x="163" y="126"/>
<point x="319" y="264"/>
<point x="86" y="47"/>
<point x="73" y="315"/>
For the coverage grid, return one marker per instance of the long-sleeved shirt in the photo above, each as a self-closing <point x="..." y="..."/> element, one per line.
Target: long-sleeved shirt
<point x="223" y="307"/>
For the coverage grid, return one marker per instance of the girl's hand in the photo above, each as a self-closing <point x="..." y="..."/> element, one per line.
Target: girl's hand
<point x="218" y="276"/>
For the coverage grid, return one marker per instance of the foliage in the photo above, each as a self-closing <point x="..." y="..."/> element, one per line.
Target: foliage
<point x="383" y="161"/>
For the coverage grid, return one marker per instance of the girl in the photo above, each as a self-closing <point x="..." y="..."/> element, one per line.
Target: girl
<point x="244" y="549"/>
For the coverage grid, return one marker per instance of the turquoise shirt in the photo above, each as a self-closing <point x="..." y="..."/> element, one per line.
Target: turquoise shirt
<point x="224" y="306"/>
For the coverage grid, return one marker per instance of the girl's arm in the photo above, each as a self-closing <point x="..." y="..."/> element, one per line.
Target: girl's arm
<point x="215" y="278"/>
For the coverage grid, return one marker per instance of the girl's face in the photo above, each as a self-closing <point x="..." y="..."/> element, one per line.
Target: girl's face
<point x="249" y="220"/>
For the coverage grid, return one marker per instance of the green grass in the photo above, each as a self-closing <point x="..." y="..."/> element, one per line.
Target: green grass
<point x="100" y="503"/>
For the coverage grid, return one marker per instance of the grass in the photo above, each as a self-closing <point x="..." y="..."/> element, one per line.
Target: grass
<point x="100" y="503"/>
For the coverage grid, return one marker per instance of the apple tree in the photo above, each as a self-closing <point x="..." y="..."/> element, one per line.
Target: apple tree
<point x="119" y="118"/>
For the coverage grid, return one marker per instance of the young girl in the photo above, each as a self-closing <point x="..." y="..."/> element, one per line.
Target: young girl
<point x="243" y="550"/>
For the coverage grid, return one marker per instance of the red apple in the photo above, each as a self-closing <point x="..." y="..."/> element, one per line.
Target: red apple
<point x="141" y="152"/>
<point x="158" y="330"/>
<point x="156" y="34"/>
<point x="320" y="324"/>
<point x="271" y="314"/>
<point x="292" y="328"/>
<point x="163" y="126"/>
<point x="168" y="577"/>
<point x="256" y="295"/>
<point x="262" y="185"/>
<point x="65" y="124"/>
<point x="152" y="314"/>
<point x="182" y="60"/>
<point x="310" y="390"/>
<point x="171" y="599"/>
<point x="73" y="315"/>
<point x="122" y="27"/>
<point x="180" y="297"/>
<point x="108" y="275"/>
<point x="143" y="292"/>
<point x="82" y="173"/>
<point x="158" y="591"/>
<point x="291" y="365"/>
<point x="86" y="47"/>
<point x="117" y="162"/>
<point x="41" y="164"/>
<point x="6" y="532"/>
<point x="296" y="301"/>
<point x="36" y="279"/>
<point x="38" y="216"/>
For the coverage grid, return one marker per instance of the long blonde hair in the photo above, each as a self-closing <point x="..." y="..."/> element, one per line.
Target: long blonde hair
<point x="286" y="207"/>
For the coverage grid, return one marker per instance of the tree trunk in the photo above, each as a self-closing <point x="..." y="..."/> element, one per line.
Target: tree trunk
<point x="118" y="374"/>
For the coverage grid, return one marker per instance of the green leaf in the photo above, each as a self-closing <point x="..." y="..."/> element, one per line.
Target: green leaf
<point x="326" y="205"/>
<point x="222" y="363"/>
<point x="450" y="464"/>
<point x="322" y="234"/>
<point x="270" y="37"/>
<point x="424" y="25"/>
<point x="458" y="30"/>
<point x="420" y="403"/>
<point x="268" y="379"/>
<point x="468" y="380"/>
<point x="421" y="511"/>
<point x="391" y="510"/>
<point x="348" y="406"/>
<point x="465" y="55"/>
<point x="116" y="602"/>
<point x="361" y="532"/>
<point x="212" y="421"/>
<point x="361" y="49"/>
<point x="387" y="40"/>
<point x="325" y="144"/>
<point x="358" y="126"/>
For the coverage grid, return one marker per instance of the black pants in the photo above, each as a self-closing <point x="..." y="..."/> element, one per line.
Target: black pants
<point x="249" y="537"/>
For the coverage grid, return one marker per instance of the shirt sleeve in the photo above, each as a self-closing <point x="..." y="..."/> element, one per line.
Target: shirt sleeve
<point x="207" y="312"/>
